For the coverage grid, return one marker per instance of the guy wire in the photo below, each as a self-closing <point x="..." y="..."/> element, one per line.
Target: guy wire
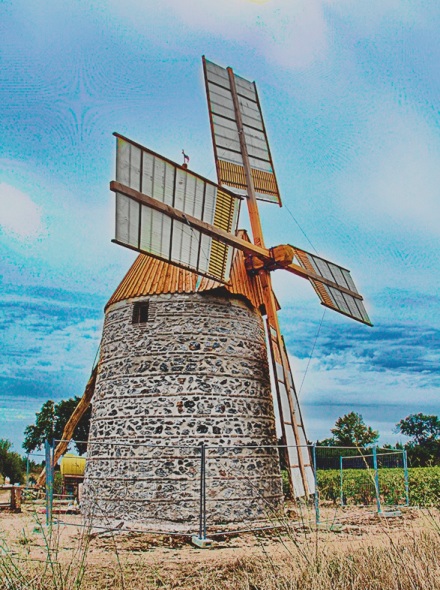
<point x="311" y="353"/>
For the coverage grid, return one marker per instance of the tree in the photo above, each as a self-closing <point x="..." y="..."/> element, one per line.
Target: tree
<point x="11" y="464"/>
<point x="423" y="429"/>
<point x="424" y="432"/>
<point x="50" y="422"/>
<point x="351" y="431"/>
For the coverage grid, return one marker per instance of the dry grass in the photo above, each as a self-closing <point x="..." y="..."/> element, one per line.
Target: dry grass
<point x="401" y="554"/>
<point x="411" y="565"/>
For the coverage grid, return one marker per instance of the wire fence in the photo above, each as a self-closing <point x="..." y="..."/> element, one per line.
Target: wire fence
<point x="371" y="476"/>
<point x="207" y="490"/>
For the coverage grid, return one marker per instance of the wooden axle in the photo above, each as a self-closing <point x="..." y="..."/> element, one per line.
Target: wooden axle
<point x="280" y="257"/>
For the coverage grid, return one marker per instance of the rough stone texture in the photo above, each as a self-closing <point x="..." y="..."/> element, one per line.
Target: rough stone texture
<point x="196" y="371"/>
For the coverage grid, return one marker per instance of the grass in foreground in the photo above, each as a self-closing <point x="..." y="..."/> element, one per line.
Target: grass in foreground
<point x="388" y="559"/>
<point x="413" y="565"/>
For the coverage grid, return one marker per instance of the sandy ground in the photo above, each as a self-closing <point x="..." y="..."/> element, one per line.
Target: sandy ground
<point x="109" y="555"/>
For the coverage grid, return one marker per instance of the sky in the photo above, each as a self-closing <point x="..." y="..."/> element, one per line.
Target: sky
<point x="350" y="95"/>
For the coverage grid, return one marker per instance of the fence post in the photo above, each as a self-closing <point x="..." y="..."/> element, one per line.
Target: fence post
<point x="315" y="473"/>
<point x="376" y="479"/>
<point x="341" y="479"/>
<point x="28" y="470"/>
<point x="406" y="478"/>
<point x="49" y="482"/>
<point x="202" y="518"/>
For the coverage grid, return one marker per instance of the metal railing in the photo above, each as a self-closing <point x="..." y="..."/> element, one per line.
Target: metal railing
<point x="215" y="472"/>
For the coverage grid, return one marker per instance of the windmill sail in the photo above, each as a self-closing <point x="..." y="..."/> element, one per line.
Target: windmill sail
<point x="298" y="454"/>
<point x="342" y="296"/>
<point x="226" y="139"/>
<point x="153" y="232"/>
<point x="244" y="163"/>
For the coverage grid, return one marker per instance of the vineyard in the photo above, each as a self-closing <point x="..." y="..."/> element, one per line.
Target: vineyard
<point x="358" y="486"/>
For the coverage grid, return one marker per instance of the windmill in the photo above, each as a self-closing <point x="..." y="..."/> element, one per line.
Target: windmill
<point x="195" y="268"/>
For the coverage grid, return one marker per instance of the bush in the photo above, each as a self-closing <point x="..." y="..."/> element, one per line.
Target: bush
<point x="11" y="464"/>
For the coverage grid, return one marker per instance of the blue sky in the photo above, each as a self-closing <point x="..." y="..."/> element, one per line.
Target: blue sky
<point x="350" y="94"/>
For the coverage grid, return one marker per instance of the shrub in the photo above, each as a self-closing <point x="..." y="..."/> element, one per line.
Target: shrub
<point x="11" y="464"/>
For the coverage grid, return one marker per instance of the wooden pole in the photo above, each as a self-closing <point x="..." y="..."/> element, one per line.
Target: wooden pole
<point x="72" y="423"/>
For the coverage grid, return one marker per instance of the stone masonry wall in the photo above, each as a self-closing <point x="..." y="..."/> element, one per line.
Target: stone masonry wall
<point x="196" y="371"/>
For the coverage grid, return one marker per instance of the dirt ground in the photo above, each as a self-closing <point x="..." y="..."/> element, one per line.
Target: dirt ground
<point x="147" y="560"/>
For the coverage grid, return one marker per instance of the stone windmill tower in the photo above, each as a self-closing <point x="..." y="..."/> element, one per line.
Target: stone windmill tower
<point x="182" y="361"/>
<point x="184" y="358"/>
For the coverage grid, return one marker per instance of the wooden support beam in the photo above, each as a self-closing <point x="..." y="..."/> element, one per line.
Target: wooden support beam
<point x="72" y="423"/>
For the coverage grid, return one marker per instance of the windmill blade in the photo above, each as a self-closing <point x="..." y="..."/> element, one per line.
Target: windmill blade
<point x="341" y="295"/>
<point x="297" y="452"/>
<point x="226" y="139"/>
<point x="146" y="225"/>
<point x="149" y="231"/>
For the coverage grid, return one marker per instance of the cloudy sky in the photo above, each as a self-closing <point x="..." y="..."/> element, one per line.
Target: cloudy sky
<point x="350" y="94"/>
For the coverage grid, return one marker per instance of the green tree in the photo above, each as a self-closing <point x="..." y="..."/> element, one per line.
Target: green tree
<point x="424" y="432"/>
<point x="50" y="422"/>
<point x="11" y="464"/>
<point x="351" y="431"/>
<point x="423" y="429"/>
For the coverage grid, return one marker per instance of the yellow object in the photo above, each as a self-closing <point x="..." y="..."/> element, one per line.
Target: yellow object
<point x="72" y="465"/>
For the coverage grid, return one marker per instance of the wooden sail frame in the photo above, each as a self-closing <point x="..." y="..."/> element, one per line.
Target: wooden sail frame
<point x="287" y="422"/>
<point x="271" y="258"/>
<point x="223" y="106"/>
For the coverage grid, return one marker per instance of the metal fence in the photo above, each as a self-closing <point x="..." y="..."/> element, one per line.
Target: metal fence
<point x="207" y="490"/>
<point x="379" y="476"/>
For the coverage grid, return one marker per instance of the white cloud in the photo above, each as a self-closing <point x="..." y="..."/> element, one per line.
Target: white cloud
<point x="19" y="215"/>
<point x="395" y="181"/>
<point x="297" y="34"/>
<point x="40" y="346"/>
<point x="346" y="379"/>
<point x="369" y="16"/>
<point x="293" y="34"/>
<point x="290" y="33"/>
<point x="12" y="415"/>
